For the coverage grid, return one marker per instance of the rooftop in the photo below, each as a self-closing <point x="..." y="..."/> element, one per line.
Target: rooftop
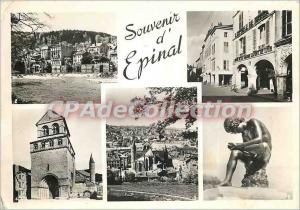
<point x="219" y="26"/>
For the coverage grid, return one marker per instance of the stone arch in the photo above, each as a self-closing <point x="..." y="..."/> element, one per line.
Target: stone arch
<point x="286" y="52"/>
<point x="288" y="68"/>
<point x="49" y="187"/>
<point x="265" y="72"/>
<point x="45" y="130"/>
<point x="243" y="70"/>
<point x="55" y="128"/>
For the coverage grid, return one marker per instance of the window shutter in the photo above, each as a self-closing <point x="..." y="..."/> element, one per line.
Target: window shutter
<point x="267" y="32"/>
<point x="283" y="23"/>
<point x="289" y="22"/>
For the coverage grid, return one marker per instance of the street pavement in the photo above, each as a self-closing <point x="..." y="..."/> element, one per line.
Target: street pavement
<point x="226" y="95"/>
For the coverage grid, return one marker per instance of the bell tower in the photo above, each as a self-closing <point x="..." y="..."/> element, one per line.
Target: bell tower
<point x="52" y="158"/>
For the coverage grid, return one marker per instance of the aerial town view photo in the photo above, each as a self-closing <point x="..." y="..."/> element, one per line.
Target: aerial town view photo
<point x="151" y="159"/>
<point x="61" y="56"/>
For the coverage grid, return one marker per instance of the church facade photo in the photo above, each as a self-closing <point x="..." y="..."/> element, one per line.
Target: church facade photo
<point x="53" y="171"/>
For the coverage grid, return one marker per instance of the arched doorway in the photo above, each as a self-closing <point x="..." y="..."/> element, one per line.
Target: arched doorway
<point x="55" y="128"/>
<point x="49" y="187"/>
<point x="289" y="78"/>
<point x="244" y="75"/>
<point x="265" y="73"/>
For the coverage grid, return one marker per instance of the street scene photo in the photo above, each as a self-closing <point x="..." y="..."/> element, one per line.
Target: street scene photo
<point x="151" y="159"/>
<point x="245" y="158"/>
<point x="241" y="56"/>
<point x="52" y="158"/>
<point x="62" y="56"/>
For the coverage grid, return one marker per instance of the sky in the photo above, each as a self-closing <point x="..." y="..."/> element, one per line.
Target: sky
<point x="98" y="22"/>
<point x="216" y="154"/>
<point x="198" y="24"/>
<point x="123" y="96"/>
<point x="85" y="136"/>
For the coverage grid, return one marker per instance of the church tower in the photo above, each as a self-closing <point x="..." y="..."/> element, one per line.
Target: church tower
<point x="133" y="156"/>
<point x="52" y="158"/>
<point x="92" y="169"/>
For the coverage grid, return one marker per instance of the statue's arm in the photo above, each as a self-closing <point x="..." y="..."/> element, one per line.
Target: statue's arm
<point x="256" y="140"/>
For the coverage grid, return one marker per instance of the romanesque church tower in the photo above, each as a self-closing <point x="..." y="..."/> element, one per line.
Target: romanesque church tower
<point x="52" y="158"/>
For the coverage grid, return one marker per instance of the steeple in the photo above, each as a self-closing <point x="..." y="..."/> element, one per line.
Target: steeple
<point x="92" y="170"/>
<point x="92" y="159"/>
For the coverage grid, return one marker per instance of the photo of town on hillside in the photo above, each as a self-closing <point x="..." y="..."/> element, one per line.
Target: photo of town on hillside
<point x="241" y="56"/>
<point x="150" y="159"/>
<point x="62" y="56"/>
<point x="49" y="159"/>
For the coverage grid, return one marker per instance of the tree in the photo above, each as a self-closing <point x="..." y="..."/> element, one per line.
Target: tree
<point x="48" y="67"/>
<point x="167" y="96"/>
<point x="86" y="58"/>
<point x="24" y="29"/>
<point x="192" y="135"/>
<point x="19" y="67"/>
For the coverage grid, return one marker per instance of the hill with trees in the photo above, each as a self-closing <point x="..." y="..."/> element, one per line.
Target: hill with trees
<point x="70" y="36"/>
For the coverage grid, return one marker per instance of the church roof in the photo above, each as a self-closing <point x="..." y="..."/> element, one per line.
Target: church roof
<point x="83" y="176"/>
<point x="49" y="116"/>
<point x="160" y="154"/>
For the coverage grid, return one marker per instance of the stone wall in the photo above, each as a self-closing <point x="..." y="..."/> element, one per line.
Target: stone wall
<point x="51" y="162"/>
<point x="81" y="189"/>
<point x="281" y="54"/>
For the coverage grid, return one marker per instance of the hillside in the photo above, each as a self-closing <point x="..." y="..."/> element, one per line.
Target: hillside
<point x="70" y="36"/>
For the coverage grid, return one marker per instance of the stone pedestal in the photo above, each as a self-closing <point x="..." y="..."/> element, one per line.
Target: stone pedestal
<point x="242" y="193"/>
<point x="258" y="179"/>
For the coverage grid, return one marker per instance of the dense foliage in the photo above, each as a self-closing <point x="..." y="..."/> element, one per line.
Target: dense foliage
<point x="167" y="96"/>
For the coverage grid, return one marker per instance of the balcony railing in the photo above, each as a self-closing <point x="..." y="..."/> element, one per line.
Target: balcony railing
<point x="260" y="17"/>
<point x="255" y="53"/>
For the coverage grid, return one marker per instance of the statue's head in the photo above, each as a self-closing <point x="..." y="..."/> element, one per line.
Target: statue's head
<point x="234" y="124"/>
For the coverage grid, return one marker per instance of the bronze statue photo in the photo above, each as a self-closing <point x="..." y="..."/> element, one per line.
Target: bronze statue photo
<point x="254" y="152"/>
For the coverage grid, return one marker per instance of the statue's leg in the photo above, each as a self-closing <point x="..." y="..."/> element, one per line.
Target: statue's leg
<point x="253" y="150"/>
<point x="263" y="153"/>
<point x="231" y="166"/>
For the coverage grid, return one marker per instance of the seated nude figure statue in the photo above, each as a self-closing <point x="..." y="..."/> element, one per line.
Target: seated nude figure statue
<point x="254" y="152"/>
